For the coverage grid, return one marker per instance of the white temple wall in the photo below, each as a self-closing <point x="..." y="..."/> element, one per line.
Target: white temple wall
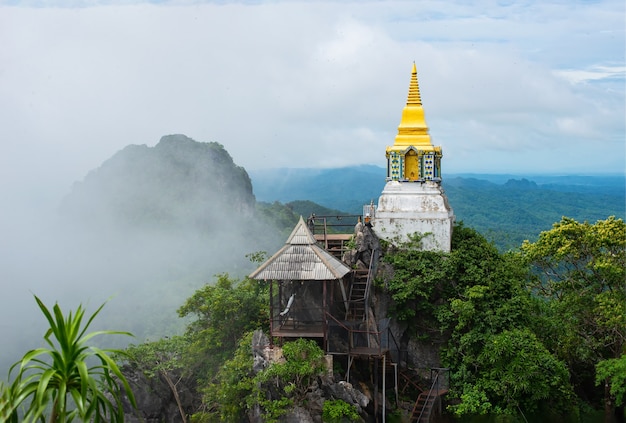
<point x="406" y="208"/>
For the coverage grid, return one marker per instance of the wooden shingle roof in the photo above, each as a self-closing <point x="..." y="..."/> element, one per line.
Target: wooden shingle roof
<point x="301" y="259"/>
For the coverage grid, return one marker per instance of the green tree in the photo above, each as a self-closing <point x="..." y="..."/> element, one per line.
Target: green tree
<point x="498" y="363"/>
<point x="424" y="283"/>
<point x="221" y="313"/>
<point x="514" y="373"/>
<point x="580" y="271"/>
<point x="415" y="286"/>
<point x="478" y="298"/>
<point x="338" y="411"/>
<point x="227" y="396"/>
<point x="235" y="390"/>
<point x="69" y="379"/>
<point x="614" y="371"/>
<point x="164" y="358"/>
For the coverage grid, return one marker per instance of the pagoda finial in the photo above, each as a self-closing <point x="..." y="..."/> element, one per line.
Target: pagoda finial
<point x="414" y="89"/>
<point x="413" y="130"/>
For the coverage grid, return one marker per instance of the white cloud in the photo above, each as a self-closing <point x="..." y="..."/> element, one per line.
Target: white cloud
<point x="271" y="80"/>
<point x="593" y="73"/>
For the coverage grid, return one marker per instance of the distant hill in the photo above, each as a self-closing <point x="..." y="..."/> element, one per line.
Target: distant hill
<point x="506" y="208"/>
<point x="179" y="183"/>
<point x="344" y="189"/>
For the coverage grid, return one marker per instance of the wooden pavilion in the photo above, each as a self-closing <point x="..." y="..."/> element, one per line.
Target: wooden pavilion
<point x="302" y="276"/>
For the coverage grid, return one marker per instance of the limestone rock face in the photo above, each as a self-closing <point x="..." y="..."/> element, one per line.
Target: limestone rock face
<point x="155" y="400"/>
<point x="298" y="415"/>
<point x="367" y="247"/>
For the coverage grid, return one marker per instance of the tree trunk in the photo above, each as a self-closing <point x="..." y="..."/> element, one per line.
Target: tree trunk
<point x="609" y="403"/>
<point x="176" y="397"/>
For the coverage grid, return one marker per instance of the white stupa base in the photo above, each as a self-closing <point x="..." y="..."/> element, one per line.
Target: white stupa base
<point x="407" y="208"/>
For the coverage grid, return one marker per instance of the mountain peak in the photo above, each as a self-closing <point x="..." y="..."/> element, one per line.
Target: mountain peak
<point x="179" y="181"/>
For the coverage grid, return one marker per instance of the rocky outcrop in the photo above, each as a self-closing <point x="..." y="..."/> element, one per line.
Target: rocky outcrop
<point x="323" y="388"/>
<point x="366" y="247"/>
<point x="155" y="400"/>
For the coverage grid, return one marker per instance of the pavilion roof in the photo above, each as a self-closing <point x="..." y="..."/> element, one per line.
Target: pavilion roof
<point x="301" y="259"/>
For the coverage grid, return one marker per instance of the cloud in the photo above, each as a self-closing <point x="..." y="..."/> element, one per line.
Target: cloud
<point x="594" y="73"/>
<point x="275" y="81"/>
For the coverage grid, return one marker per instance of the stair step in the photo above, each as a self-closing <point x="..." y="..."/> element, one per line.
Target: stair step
<point x="358" y="294"/>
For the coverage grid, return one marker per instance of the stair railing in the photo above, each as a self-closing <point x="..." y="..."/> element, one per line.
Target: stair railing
<point x="368" y="285"/>
<point x="428" y="399"/>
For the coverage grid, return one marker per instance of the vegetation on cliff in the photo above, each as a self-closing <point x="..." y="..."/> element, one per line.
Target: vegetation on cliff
<point x="526" y="333"/>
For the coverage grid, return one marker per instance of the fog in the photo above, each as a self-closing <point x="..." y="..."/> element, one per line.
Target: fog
<point x="86" y="253"/>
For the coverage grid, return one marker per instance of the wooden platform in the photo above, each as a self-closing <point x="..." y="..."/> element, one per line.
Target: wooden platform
<point x="368" y="352"/>
<point x="300" y="331"/>
<point x="333" y="237"/>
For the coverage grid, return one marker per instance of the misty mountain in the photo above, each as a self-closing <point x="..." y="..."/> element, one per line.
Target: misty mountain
<point x="507" y="209"/>
<point x="143" y="231"/>
<point x="172" y="210"/>
<point x="178" y="184"/>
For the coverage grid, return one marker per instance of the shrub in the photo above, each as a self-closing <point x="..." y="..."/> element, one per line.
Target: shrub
<point x="336" y="411"/>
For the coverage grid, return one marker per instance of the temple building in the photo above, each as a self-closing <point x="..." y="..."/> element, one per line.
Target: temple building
<point x="412" y="201"/>
<point x="321" y="282"/>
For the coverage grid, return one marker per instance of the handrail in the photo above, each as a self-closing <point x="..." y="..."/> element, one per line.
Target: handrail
<point x="351" y="331"/>
<point x="432" y="387"/>
<point x="337" y="321"/>
<point x="367" y="302"/>
<point x="342" y="326"/>
<point x="324" y="218"/>
<point x="395" y="343"/>
<point x="325" y="235"/>
<point x="369" y="281"/>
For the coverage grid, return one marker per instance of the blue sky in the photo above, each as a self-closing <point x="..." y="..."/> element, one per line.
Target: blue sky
<point x="508" y="86"/>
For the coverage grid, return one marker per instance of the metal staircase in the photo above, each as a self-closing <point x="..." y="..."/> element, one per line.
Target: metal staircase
<point x="428" y="401"/>
<point x="357" y="303"/>
<point x="423" y="408"/>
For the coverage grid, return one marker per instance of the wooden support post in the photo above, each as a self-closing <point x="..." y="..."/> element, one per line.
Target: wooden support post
<point x="324" y="322"/>
<point x="271" y="314"/>
<point x="384" y="386"/>
<point x="376" y="388"/>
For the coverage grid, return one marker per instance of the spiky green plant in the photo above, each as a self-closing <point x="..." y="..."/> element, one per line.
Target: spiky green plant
<point x="6" y="405"/>
<point x="68" y="379"/>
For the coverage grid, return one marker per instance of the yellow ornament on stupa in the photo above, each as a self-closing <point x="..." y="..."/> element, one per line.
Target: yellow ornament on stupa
<point x="413" y="157"/>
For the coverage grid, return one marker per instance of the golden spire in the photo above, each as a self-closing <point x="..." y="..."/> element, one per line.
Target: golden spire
<point x="413" y="130"/>
<point x="414" y="89"/>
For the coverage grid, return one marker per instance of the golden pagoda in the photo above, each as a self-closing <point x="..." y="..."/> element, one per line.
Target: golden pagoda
<point x="413" y="201"/>
<point x="413" y="157"/>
